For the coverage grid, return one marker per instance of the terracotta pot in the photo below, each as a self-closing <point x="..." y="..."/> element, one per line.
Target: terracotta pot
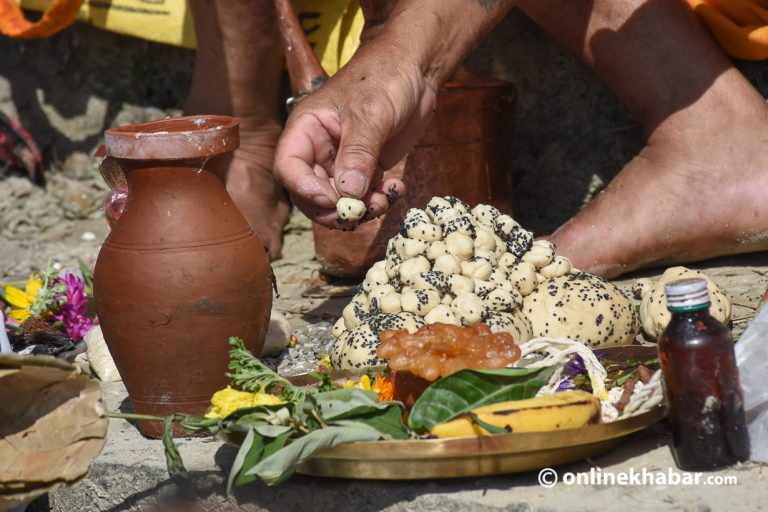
<point x="407" y="387"/>
<point x="463" y="153"/>
<point x="181" y="271"/>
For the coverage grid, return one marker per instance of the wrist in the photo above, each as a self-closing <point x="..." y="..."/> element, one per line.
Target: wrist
<point x="438" y="36"/>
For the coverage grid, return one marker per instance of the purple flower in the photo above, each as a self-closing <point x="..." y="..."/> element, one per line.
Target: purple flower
<point x="576" y="365"/>
<point x="573" y="368"/>
<point x="73" y="306"/>
<point x="566" y="384"/>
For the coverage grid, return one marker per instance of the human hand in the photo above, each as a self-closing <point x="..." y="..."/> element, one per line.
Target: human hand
<point x="339" y="141"/>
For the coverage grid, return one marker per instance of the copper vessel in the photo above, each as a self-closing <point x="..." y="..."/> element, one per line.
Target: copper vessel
<point x="181" y="271"/>
<point x="462" y="152"/>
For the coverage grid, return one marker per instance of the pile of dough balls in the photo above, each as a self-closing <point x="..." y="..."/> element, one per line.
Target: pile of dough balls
<point x="654" y="314"/>
<point x="461" y="266"/>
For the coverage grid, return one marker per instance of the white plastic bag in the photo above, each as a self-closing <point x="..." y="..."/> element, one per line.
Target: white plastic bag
<point x="752" y="360"/>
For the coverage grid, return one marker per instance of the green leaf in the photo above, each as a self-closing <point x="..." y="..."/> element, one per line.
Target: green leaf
<point x="466" y="390"/>
<point x="172" y="456"/>
<point x="251" y="374"/>
<point x="87" y="274"/>
<point x="259" y="443"/>
<point x="272" y="430"/>
<point x="282" y="464"/>
<point x="493" y="429"/>
<point x="195" y="424"/>
<point x="277" y="443"/>
<point x="389" y="422"/>
<point x="344" y="403"/>
<point x="248" y="454"/>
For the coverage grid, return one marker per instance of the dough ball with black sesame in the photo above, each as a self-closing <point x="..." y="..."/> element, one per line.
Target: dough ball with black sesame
<point x="654" y="314"/>
<point x="419" y="302"/>
<point x="584" y="307"/>
<point x="350" y="209"/>
<point x="442" y="314"/>
<point x="515" y="323"/>
<point x="469" y="308"/>
<point x="541" y="253"/>
<point x="357" y="348"/>
<point x="559" y="266"/>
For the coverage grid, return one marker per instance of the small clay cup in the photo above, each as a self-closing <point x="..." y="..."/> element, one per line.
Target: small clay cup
<point x="407" y="387"/>
<point x="181" y="271"/>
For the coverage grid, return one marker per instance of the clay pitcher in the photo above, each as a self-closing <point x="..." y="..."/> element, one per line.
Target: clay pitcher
<point x="181" y="271"/>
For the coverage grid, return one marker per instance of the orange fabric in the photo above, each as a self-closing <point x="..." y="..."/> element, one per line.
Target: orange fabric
<point x="740" y="26"/>
<point x="58" y="16"/>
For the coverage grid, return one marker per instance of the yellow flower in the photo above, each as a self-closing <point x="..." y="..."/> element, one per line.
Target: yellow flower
<point x="21" y="301"/>
<point x="226" y="401"/>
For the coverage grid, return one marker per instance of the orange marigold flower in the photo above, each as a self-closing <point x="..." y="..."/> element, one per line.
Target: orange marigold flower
<point x="383" y="388"/>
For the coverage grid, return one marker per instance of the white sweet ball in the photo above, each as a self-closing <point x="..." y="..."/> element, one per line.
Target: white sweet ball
<point x="420" y="302"/>
<point x="356" y="311"/>
<point x="338" y="328"/>
<point x="477" y="268"/>
<point x="460" y="245"/>
<point x="376" y="275"/>
<point x="379" y="291"/>
<point x="350" y="209"/>
<point x="411" y="268"/>
<point x="442" y="314"/>
<point x="541" y="253"/>
<point x="468" y="308"/>
<point x="523" y="277"/>
<point x="459" y="284"/>
<point x="447" y="263"/>
<point x="390" y="303"/>
<point x="559" y="266"/>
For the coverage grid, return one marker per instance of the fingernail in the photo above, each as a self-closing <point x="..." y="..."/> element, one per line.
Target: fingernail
<point x="353" y="183"/>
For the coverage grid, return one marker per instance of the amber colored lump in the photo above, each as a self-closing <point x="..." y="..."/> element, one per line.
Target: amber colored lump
<point x="437" y="350"/>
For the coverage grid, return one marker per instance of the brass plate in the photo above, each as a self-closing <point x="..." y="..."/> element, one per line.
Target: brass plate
<point x="482" y="456"/>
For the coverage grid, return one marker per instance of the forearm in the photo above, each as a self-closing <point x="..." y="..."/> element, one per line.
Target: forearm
<point x="439" y="34"/>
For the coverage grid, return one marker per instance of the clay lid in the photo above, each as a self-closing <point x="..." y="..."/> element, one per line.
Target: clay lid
<point x="174" y="138"/>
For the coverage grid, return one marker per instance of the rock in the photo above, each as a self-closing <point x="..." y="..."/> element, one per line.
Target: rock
<point x="99" y="358"/>
<point x="278" y="334"/>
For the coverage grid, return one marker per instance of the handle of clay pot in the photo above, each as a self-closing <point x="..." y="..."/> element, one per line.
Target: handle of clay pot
<point x="304" y="68"/>
<point x="112" y="173"/>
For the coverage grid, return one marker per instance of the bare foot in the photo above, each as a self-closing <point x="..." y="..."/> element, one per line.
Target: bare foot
<point x="698" y="190"/>
<point x="261" y="199"/>
<point x="237" y="73"/>
<point x="690" y="196"/>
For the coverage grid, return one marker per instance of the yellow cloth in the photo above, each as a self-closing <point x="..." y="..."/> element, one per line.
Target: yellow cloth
<point x="332" y="26"/>
<point x="740" y="26"/>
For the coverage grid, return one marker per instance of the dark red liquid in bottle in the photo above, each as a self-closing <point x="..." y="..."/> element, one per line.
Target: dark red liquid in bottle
<point x="706" y="409"/>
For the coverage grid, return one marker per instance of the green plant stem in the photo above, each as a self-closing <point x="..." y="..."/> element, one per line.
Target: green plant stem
<point x="133" y="416"/>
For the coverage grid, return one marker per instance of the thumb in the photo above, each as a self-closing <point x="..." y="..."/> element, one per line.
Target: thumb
<point x="356" y="164"/>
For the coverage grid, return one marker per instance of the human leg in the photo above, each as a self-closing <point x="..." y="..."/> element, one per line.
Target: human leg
<point x="698" y="189"/>
<point x="237" y="73"/>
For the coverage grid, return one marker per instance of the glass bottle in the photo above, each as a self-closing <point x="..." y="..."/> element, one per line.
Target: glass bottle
<point x="706" y="409"/>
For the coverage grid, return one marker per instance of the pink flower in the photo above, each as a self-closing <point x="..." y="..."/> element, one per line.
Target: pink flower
<point x="73" y="307"/>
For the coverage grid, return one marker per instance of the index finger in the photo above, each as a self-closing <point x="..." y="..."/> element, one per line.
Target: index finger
<point x="303" y="155"/>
